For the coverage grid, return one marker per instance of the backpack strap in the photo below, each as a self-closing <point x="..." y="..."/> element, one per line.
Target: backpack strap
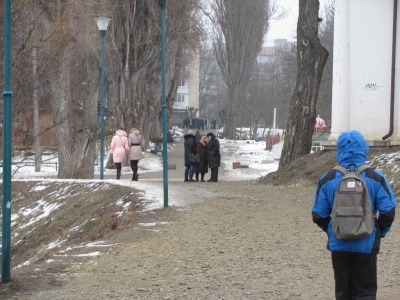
<point x="362" y="168"/>
<point x="341" y="169"/>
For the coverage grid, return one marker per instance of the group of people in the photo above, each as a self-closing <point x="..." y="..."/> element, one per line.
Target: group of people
<point x="132" y="145"/>
<point x="206" y="148"/>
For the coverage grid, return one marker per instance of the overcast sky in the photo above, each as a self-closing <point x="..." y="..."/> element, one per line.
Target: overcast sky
<point x="286" y="27"/>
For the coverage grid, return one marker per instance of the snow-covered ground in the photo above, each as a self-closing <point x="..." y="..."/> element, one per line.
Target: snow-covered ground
<point x="254" y="160"/>
<point x="247" y="152"/>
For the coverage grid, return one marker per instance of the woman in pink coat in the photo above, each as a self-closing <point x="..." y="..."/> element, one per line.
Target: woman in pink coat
<point x="136" y="142"/>
<point x="119" y="148"/>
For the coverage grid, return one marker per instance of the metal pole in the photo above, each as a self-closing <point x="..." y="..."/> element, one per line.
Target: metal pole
<point x="7" y="148"/>
<point x="164" y="108"/>
<point x="102" y="35"/>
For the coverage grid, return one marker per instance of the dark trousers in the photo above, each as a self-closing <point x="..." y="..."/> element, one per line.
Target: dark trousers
<point x="134" y="166"/>
<point x="118" y="166"/>
<point x="214" y="174"/>
<point x="355" y="275"/>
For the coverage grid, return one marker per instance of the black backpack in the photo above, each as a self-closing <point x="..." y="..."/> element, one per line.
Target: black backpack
<point x="352" y="216"/>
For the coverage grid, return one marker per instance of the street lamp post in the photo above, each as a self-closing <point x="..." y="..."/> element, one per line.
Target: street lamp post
<point x="7" y="148"/>
<point x="162" y="4"/>
<point x="102" y="23"/>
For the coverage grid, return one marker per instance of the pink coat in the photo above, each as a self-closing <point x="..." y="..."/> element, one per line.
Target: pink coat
<point x="119" y="146"/>
<point x="136" y="142"/>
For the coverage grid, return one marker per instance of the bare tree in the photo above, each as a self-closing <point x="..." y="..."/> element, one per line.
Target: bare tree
<point x="135" y="59"/>
<point x="241" y="26"/>
<point x="65" y="64"/>
<point x="73" y="77"/>
<point x="311" y="59"/>
<point x="210" y="79"/>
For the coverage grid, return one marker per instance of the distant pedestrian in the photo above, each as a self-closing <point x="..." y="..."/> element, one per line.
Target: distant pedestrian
<point x="319" y="124"/>
<point x="213" y="155"/>
<point x="119" y="148"/>
<point x="354" y="261"/>
<point x="202" y="167"/>
<point x="136" y="144"/>
<point x="197" y="137"/>
<point x="190" y="148"/>
<point x="214" y="123"/>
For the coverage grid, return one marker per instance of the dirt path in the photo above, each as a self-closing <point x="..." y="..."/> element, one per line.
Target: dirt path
<point x="247" y="241"/>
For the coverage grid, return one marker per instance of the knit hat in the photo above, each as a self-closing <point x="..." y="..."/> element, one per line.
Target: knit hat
<point x="191" y="132"/>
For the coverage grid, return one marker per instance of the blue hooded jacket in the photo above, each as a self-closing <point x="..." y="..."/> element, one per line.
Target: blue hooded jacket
<point x="352" y="149"/>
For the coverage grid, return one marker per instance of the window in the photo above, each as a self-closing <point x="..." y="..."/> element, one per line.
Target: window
<point x="182" y="81"/>
<point x="182" y="78"/>
<point x="181" y="98"/>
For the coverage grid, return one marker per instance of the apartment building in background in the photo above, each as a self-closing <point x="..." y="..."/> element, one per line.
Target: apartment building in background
<point x="187" y="98"/>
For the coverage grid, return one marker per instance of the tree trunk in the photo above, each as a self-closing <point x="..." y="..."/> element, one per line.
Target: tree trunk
<point x="78" y="125"/>
<point x="229" y="125"/>
<point x="61" y="103"/>
<point x="311" y="59"/>
<point x="36" y="120"/>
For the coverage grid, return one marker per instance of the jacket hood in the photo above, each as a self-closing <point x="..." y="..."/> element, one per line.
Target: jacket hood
<point x="351" y="148"/>
<point x="137" y="132"/>
<point x="188" y="136"/>
<point x="120" y="133"/>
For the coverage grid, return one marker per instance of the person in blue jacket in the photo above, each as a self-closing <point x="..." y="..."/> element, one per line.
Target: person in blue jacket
<point x="354" y="261"/>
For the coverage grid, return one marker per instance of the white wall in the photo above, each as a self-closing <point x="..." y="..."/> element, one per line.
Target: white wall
<point x="362" y="62"/>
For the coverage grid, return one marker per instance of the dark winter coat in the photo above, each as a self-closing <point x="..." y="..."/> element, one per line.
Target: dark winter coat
<point x="202" y="167"/>
<point x="213" y="154"/>
<point x="190" y="147"/>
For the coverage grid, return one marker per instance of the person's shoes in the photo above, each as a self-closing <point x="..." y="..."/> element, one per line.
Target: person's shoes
<point x="135" y="177"/>
<point x="118" y="176"/>
<point x="203" y="180"/>
<point x="186" y="177"/>
<point x="191" y="177"/>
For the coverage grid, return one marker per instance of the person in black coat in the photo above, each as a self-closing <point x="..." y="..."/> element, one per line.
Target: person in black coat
<point x="190" y="148"/>
<point x="197" y="137"/>
<point x="213" y="155"/>
<point x="202" y="167"/>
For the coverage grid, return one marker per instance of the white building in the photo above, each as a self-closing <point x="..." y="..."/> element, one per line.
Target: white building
<point x="188" y="87"/>
<point x="366" y="54"/>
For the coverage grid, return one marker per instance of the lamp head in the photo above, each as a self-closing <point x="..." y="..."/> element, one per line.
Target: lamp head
<point x="102" y="23"/>
<point x="162" y="3"/>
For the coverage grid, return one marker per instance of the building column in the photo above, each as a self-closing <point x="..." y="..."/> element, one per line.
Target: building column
<point x="341" y="70"/>
<point x="397" y="79"/>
